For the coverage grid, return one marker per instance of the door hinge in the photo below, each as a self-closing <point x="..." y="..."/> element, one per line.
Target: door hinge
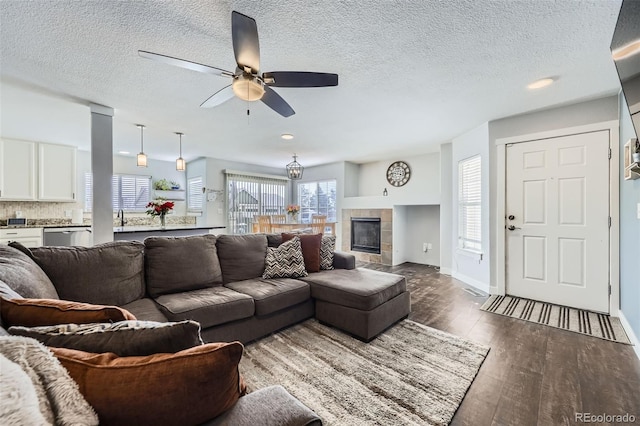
<point x="609" y="221"/>
<point x="609" y="153"/>
<point x="609" y="289"/>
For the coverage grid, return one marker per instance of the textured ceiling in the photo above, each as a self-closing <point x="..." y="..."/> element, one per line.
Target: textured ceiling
<point x="413" y="74"/>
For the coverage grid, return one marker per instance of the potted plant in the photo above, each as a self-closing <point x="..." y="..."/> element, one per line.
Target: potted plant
<point x="162" y="185"/>
<point x="636" y="151"/>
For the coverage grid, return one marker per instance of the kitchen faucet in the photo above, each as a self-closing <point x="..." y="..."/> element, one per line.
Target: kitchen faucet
<point x="121" y="216"/>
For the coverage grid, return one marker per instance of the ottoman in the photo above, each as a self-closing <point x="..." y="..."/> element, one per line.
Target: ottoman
<point x="359" y="301"/>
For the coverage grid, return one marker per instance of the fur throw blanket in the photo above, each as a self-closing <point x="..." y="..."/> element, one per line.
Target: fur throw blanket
<point x="36" y="389"/>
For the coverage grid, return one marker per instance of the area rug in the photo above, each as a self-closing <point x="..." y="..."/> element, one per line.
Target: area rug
<point x="571" y="319"/>
<point x="410" y="375"/>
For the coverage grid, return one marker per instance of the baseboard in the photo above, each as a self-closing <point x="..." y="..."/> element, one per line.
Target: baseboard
<point x="445" y="271"/>
<point x="632" y="336"/>
<point x="472" y="282"/>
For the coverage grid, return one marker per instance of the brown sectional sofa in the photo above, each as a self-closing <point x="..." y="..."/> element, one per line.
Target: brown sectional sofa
<point x="214" y="280"/>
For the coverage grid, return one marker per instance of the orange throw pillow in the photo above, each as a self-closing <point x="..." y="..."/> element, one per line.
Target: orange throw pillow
<point x="40" y="312"/>
<point x="185" y="388"/>
<point x="310" y="249"/>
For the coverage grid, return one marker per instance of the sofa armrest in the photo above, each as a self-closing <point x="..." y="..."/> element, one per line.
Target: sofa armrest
<point x="342" y="260"/>
<point x="270" y="406"/>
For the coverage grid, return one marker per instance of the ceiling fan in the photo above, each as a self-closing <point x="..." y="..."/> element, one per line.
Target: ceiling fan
<point x="247" y="83"/>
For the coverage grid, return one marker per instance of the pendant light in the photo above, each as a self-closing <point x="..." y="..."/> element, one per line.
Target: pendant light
<point x="294" y="169"/>
<point x="180" y="163"/>
<point x="142" y="157"/>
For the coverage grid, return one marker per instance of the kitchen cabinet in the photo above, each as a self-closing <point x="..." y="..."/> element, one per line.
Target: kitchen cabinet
<point x="17" y="170"/>
<point x="56" y="172"/>
<point x="28" y="237"/>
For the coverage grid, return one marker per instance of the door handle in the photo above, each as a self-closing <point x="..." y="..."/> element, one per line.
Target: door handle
<point x="512" y="228"/>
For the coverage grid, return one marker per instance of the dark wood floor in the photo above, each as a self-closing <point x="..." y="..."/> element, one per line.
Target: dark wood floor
<point x="533" y="375"/>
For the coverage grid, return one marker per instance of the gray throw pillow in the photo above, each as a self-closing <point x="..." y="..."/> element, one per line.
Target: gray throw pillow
<point x="24" y="276"/>
<point x="286" y="261"/>
<point x="105" y="274"/>
<point x="327" y="247"/>
<point x="124" y="338"/>
<point x="178" y="264"/>
<point x="241" y="256"/>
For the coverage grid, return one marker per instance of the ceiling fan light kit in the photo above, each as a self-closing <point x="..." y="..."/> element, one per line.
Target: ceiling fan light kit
<point x="141" y="159"/>
<point x="248" y="84"/>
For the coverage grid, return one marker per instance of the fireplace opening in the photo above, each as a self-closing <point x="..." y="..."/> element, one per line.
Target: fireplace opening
<point x="365" y="234"/>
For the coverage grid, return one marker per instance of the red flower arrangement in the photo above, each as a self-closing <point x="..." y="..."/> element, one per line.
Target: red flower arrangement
<point x="159" y="207"/>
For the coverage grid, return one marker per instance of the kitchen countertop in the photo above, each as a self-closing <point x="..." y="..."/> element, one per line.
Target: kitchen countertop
<point x="129" y="229"/>
<point x="68" y="225"/>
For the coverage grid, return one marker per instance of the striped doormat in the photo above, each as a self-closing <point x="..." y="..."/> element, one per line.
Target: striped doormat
<point x="576" y="320"/>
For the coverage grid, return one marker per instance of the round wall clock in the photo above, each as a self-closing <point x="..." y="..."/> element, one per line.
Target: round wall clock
<point x="398" y="173"/>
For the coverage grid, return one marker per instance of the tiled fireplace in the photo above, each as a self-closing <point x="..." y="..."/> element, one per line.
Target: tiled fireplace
<point x="367" y="234"/>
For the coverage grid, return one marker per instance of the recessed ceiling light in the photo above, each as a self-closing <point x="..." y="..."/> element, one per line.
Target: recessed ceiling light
<point x="124" y="152"/>
<point x="626" y="50"/>
<point x="539" y="84"/>
<point x="287" y="136"/>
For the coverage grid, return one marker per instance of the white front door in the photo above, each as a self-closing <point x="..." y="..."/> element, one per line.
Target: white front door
<point x="558" y="220"/>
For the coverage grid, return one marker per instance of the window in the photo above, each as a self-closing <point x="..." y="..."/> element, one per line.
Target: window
<point x="249" y="195"/>
<point x="469" y="204"/>
<point x="128" y="192"/>
<point x="195" y="196"/>
<point x="317" y="198"/>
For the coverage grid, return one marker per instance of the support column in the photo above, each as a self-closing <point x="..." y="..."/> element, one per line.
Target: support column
<point x="102" y="169"/>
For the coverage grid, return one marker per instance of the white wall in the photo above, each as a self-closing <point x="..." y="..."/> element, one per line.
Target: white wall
<point x="423" y="186"/>
<point x="401" y="230"/>
<point x="423" y="226"/>
<point x="446" y="209"/>
<point x="471" y="268"/>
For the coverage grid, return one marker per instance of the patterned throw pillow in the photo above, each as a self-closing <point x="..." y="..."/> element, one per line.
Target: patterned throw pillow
<point x="124" y="338"/>
<point x="285" y="261"/>
<point x="327" y="247"/>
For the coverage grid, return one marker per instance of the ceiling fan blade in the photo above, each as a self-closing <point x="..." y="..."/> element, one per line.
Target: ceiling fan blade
<point x="276" y="103"/>
<point x="300" y="79"/>
<point x="246" y="46"/>
<point x="194" y="66"/>
<point x="221" y="96"/>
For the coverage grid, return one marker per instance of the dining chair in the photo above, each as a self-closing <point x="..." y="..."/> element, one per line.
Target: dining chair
<point x="318" y="223"/>
<point x="264" y="223"/>
<point x="278" y="219"/>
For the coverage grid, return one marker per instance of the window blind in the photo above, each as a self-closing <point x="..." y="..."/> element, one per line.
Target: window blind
<point x="250" y="195"/>
<point x="195" y="197"/>
<point x="470" y="203"/>
<point x="129" y="192"/>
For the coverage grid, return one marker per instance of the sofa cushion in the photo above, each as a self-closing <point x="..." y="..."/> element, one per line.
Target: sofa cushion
<point x="360" y="288"/>
<point x="176" y="264"/>
<point x="286" y="261"/>
<point x="24" y="276"/>
<point x="274" y="240"/>
<point x="185" y="388"/>
<point x="310" y="249"/>
<point x="208" y="306"/>
<point x="124" y="338"/>
<point x="241" y="256"/>
<point x="273" y="295"/>
<point x="105" y="274"/>
<point x="327" y="248"/>
<point x="39" y="312"/>
<point x="145" y="310"/>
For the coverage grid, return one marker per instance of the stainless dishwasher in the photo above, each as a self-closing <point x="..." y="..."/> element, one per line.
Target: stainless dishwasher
<point x="71" y="236"/>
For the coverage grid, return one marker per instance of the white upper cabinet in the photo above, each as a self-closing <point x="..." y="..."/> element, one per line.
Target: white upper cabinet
<point x="56" y="172"/>
<point x="17" y="170"/>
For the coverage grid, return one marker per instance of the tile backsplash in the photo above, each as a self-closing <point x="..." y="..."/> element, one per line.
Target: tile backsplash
<point x="37" y="209"/>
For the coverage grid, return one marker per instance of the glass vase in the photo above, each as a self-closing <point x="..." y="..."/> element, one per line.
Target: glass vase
<point x="163" y="223"/>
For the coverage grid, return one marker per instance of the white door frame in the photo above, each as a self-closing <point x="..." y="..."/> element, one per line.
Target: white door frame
<point x="614" y="190"/>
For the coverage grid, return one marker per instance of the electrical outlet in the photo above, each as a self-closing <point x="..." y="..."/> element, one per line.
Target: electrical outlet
<point x="67" y="213"/>
<point x="429" y="246"/>
<point x="219" y="211"/>
<point x="425" y="247"/>
<point x="638" y="211"/>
